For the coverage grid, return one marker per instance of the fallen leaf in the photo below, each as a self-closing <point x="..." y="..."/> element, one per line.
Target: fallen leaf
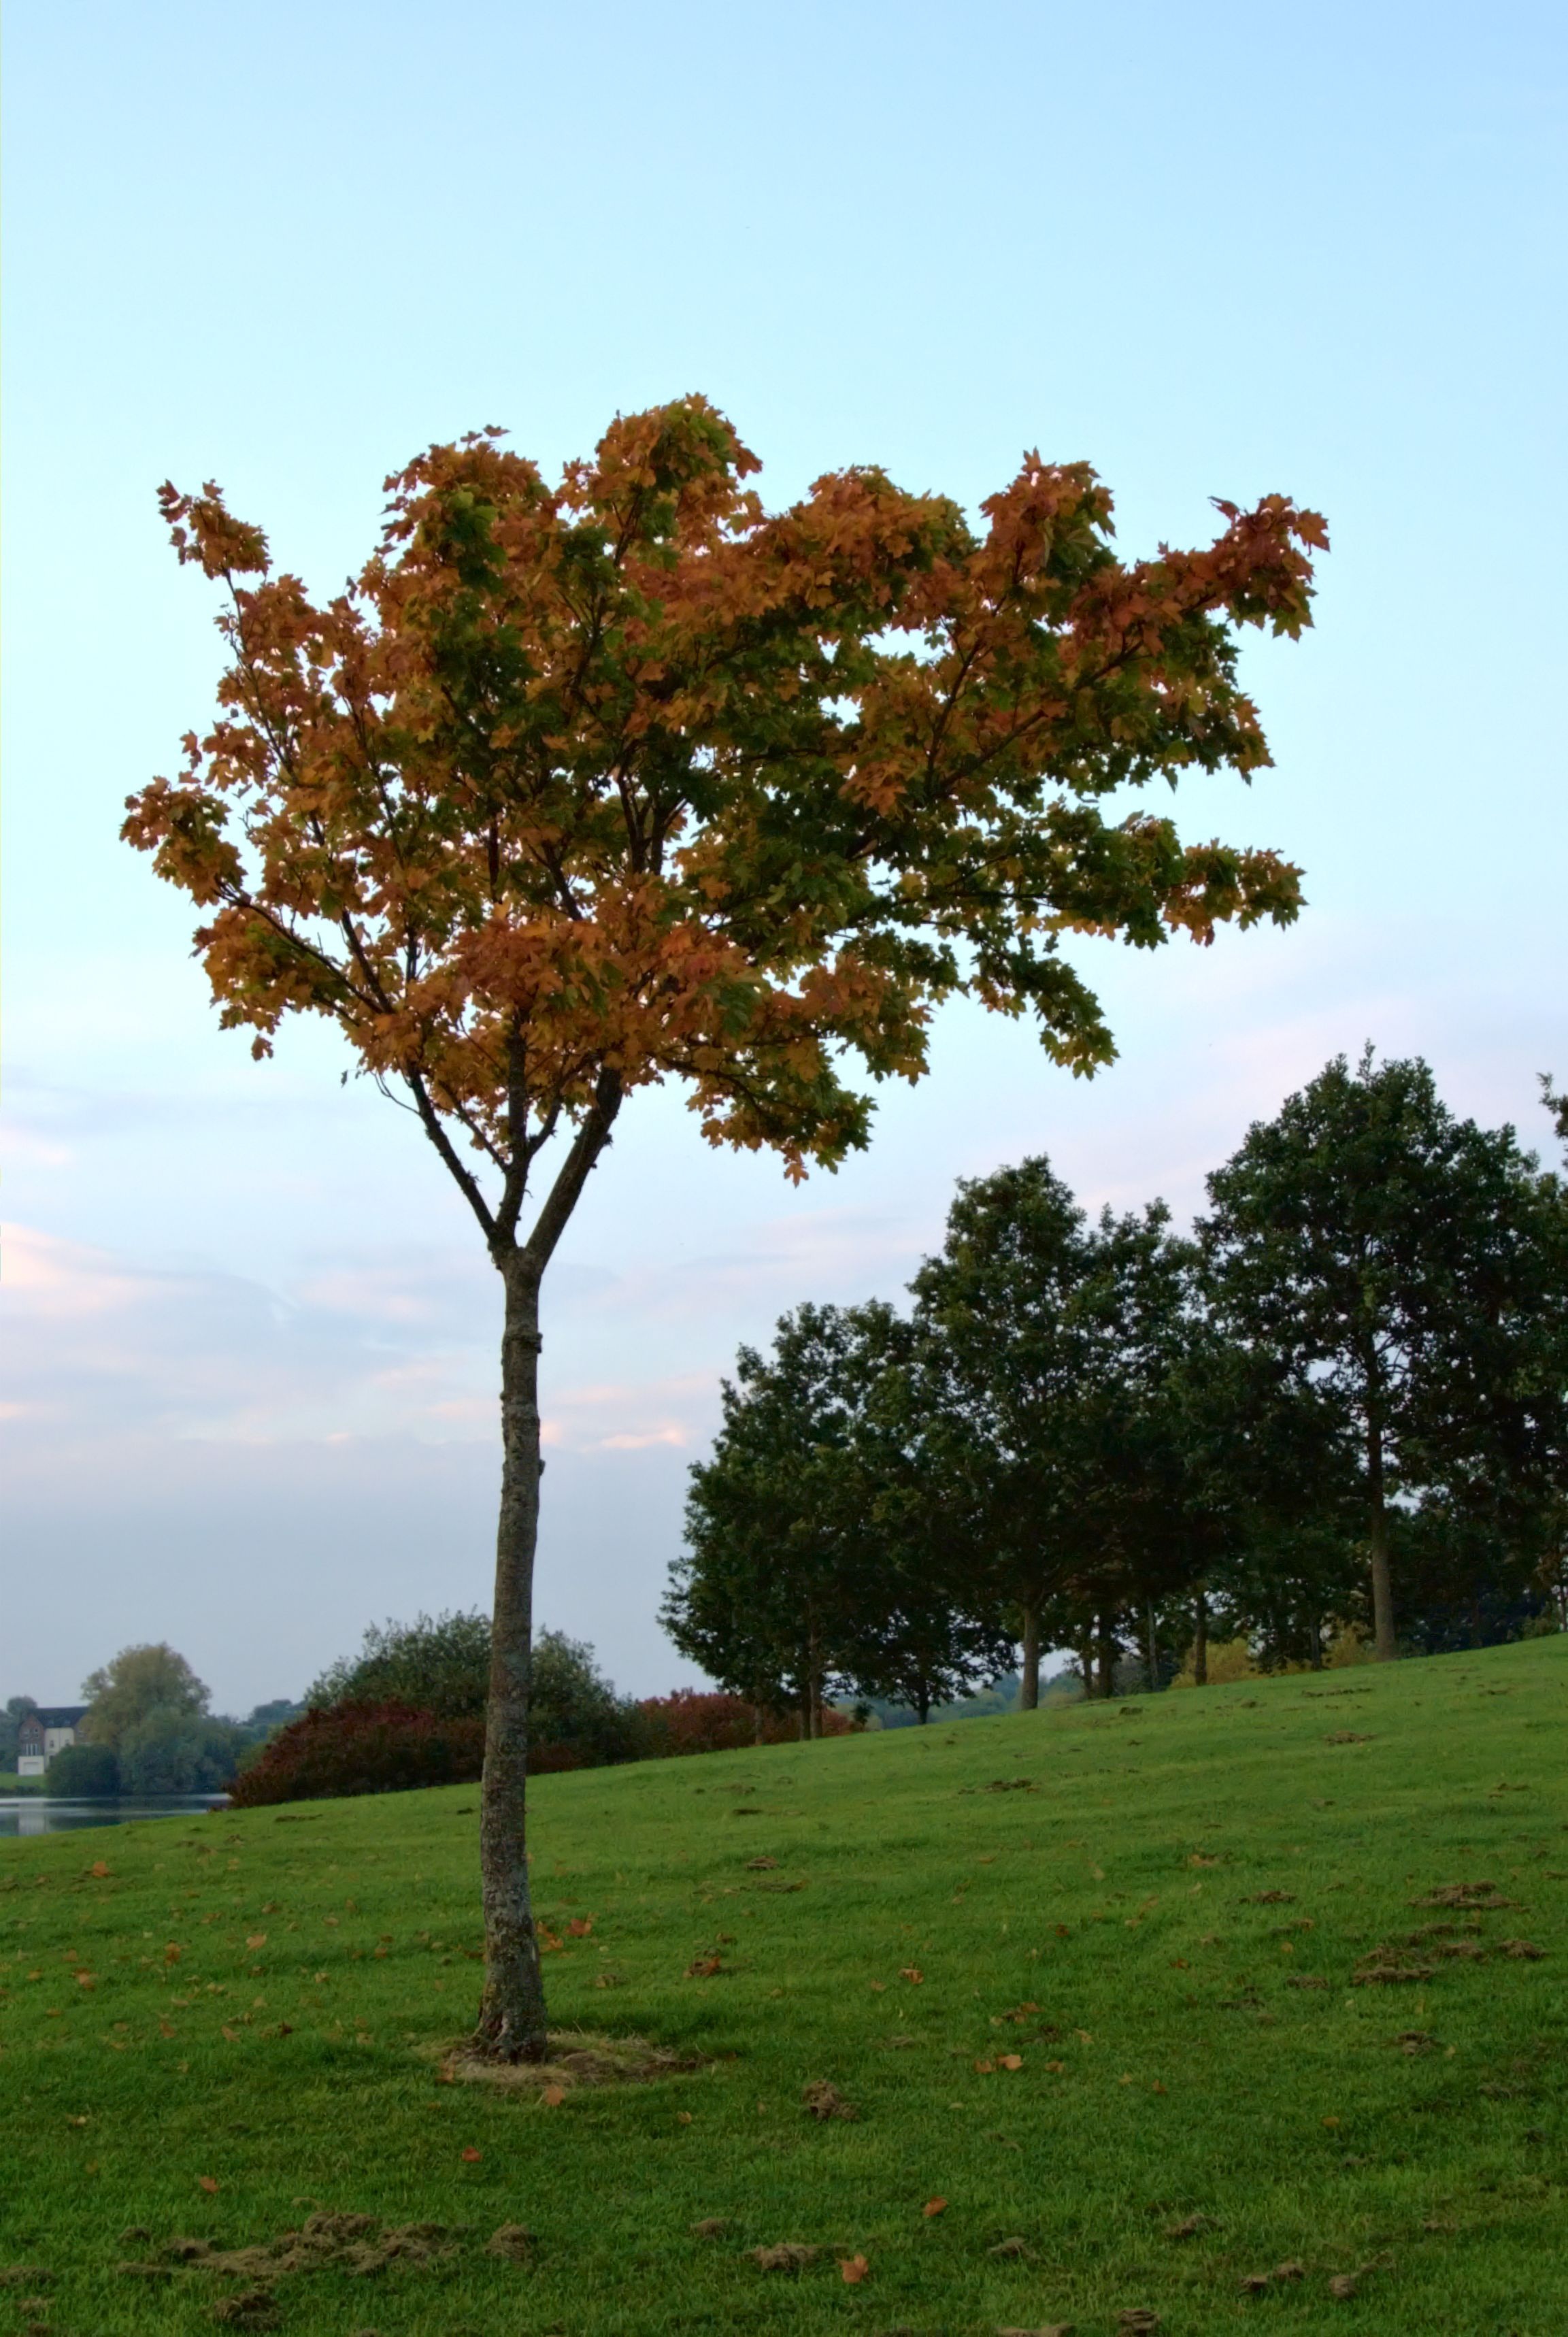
<point x="1056" y="2067"/>
<point x="98" y="1868"/>
<point x="1289" y="2269"/>
<point x="1342" y="2284"/>
<point x="1009" y="2060"/>
<point x="255" y="1940"/>
<point x="985" y="2069"/>
<point x="580" y="1926"/>
<point x="471" y="2155"/>
<point x="85" y="1980"/>
<point x="853" y="2269"/>
<point x="683" y="2117"/>
<point x="912" y="1974"/>
<point x="209" y="2182"/>
<point x="1331" y="2121"/>
<point x="880" y="1986"/>
<point x="934" y="2207"/>
<point x="704" y="1967"/>
<point x="552" y="2096"/>
<point x="1156" y="2088"/>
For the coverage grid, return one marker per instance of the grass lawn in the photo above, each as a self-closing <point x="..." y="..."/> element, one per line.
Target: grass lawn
<point x="1087" y="1976"/>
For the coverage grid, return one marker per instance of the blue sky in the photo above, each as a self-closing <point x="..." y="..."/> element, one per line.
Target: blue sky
<point x="1213" y="250"/>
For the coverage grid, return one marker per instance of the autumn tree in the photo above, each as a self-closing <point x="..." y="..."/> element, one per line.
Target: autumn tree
<point x="580" y="787"/>
<point x="1409" y="1266"/>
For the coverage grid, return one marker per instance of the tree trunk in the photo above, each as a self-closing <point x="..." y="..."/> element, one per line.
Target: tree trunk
<point x="1153" y="1646"/>
<point x="1385" y="1643"/>
<point x="1029" y="1678"/>
<point x="922" y="1702"/>
<point x="757" y="1723"/>
<point x="1107" y="1661"/>
<point x="1200" y="1641"/>
<point x="512" y="2017"/>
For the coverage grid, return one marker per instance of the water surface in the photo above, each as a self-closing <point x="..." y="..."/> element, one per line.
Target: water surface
<point x="36" y="1813"/>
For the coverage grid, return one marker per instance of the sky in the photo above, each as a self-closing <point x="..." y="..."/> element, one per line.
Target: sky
<point x="250" y="1336"/>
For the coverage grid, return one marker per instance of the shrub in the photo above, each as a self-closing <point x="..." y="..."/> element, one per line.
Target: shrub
<point x="694" y="1720"/>
<point x="82" y="1773"/>
<point x="363" y="1748"/>
<point x="437" y="1663"/>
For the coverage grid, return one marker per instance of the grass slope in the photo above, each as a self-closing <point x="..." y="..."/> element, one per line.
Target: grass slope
<point x="1171" y="1873"/>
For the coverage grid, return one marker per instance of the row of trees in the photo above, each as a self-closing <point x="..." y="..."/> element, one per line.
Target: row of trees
<point x="1341" y="1402"/>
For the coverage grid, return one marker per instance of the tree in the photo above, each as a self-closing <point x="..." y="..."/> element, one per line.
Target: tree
<point x="1410" y="1267"/>
<point x="139" y="1681"/>
<point x="87" y="1773"/>
<point x="758" y="1595"/>
<point x="437" y="1664"/>
<point x="577" y="788"/>
<point x="820" y="1557"/>
<point x="17" y="1707"/>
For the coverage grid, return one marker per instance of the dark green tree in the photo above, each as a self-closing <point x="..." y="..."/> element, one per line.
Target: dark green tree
<point x="1409" y="1266"/>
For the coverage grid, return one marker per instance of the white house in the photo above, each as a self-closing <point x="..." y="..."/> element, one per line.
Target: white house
<point x="41" y="1735"/>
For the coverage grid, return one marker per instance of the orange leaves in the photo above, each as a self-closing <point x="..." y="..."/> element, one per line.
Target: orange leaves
<point x="255" y="1940"/>
<point x="625" y="777"/>
<point x="580" y="1926"/>
<point x="207" y="2183"/>
<point x="934" y="2207"/>
<point x="912" y="1973"/>
<point x="98" y="1870"/>
<point x="470" y="2158"/>
<point x="853" y="2269"/>
<point x="173" y="1952"/>
<point x="552" y="2096"/>
<point x="1003" y="2061"/>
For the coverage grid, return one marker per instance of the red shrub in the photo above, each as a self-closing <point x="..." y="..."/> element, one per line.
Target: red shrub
<point x="691" y="1720"/>
<point x="362" y="1749"/>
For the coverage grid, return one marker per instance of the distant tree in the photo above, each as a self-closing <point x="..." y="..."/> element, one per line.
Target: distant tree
<point x="575" y="789"/>
<point x="758" y="1596"/>
<point x="263" y="1719"/>
<point x="139" y="1682"/>
<point x="1410" y="1267"/>
<point x="11" y="1719"/>
<point x="84" y="1773"/>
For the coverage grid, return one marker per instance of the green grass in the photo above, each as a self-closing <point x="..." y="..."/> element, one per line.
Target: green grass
<point x="1171" y="2070"/>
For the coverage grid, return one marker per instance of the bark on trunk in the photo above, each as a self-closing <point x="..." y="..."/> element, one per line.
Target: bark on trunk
<point x="1385" y="1645"/>
<point x="1029" y="1678"/>
<point x="1200" y="1641"/>
<point x="512" y="2017"/>
<point x="1108" y="1663"/>
<point x="1152" y="1645"/>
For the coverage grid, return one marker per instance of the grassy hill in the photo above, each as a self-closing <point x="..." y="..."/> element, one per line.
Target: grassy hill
<point x="1157" y="1997"/>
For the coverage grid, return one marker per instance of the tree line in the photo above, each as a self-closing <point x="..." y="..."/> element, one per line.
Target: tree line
<point x="1339" y="1404"/>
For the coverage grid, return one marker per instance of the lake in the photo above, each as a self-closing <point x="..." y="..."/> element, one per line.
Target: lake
<point x="34" y="1813"/>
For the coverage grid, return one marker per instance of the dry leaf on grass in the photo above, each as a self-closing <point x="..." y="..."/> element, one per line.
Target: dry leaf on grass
<point x="853" y="2269"/>
<point x="209" y="2182"/>
<point x="470" y="2158"/>
<point x="784" y="2255"/>
<point x="704" y="1967"/>
<point x="1289" y="2269"/>
<point x="552" y="2096"/>
<point x="825" y="2101"/>
<point x="934" y="2207"/>
<point x="1343" y="2284"/>
<point x="912" y="1973"/>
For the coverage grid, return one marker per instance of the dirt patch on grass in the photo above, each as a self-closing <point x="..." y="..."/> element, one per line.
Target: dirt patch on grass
<point x="575" y="2056"/>
<point x="323" y="2242"/>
